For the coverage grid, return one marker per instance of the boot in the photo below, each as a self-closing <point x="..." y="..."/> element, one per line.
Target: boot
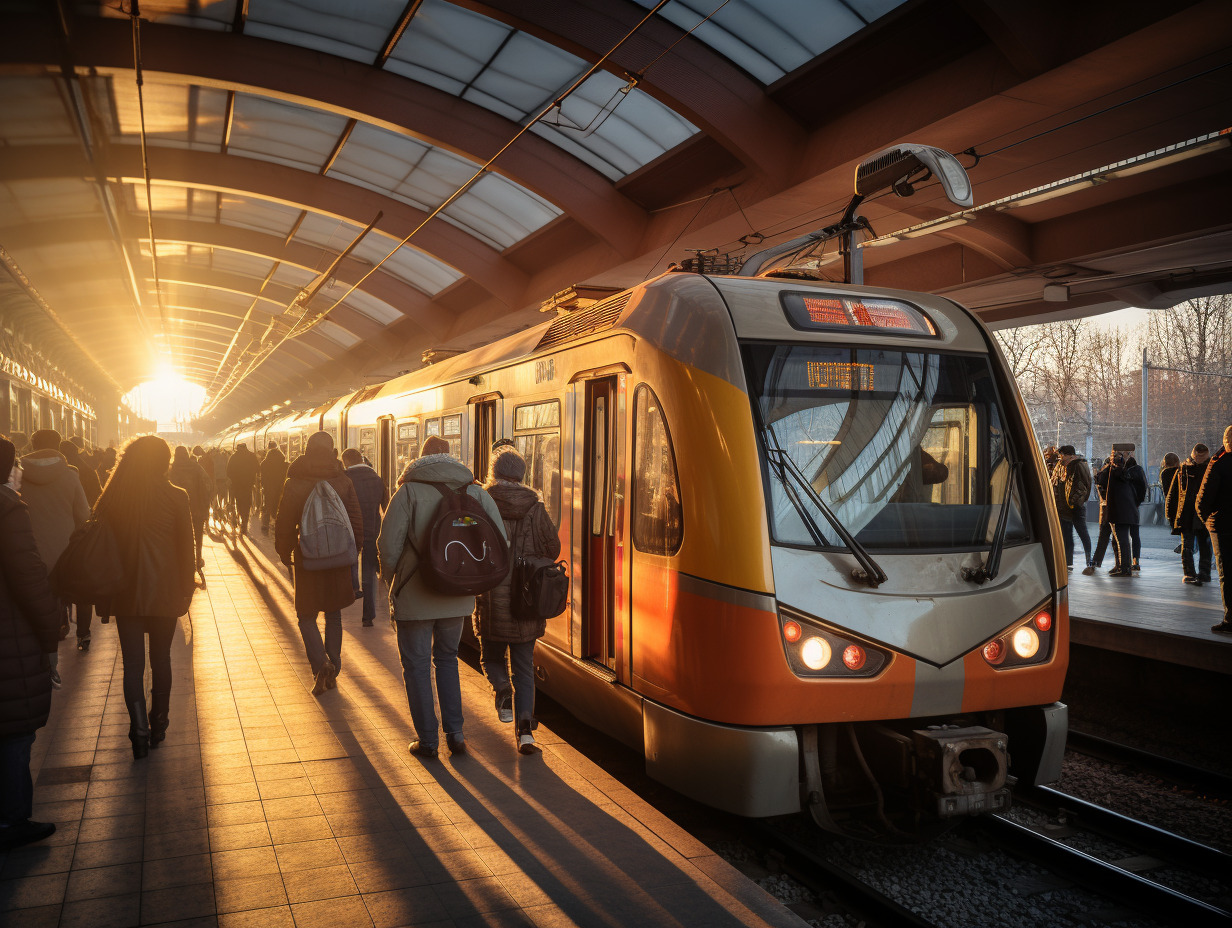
<point x="158" y="718"/>
<point x="138" y="728"/>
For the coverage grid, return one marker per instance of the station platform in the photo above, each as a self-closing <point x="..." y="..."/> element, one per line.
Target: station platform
<point x="267" y="807"/>
<point x="1153" y="615"/>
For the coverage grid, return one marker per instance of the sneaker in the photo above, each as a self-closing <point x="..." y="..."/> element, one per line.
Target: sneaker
<point x="1117" y="572"/>
<point x="320" y="682"/>
<point x="456" y="743"/>
<point x="526" y="740"/>
<point x="25" y="833"/>
<point x="83" y="644"/>
<point x="333" y="676"/>
<point x="1190" y="578"/>
<point x="504" y="709"/>
<point x="1225" y="627"/>
<point x="1088" y="570"/>
<point x="419" y="749"/>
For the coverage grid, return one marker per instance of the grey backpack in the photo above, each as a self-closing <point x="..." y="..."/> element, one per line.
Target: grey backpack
<point x="325" y="536"/>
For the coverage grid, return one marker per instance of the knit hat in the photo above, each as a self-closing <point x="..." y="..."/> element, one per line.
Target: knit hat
<point x="434" y="444"/>
<point x="509" y="465"/>
<point x="1066" y="449"/>
<point x="318" y="440"/>
<point x="8" y="454"/>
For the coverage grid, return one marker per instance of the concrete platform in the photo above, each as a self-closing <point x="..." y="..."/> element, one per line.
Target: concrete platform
<point x="269" y="807"/>
<point x="1153" y="614"/>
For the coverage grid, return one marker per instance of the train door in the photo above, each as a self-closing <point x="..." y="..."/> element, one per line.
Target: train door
<point x="604" y="636"/>
<point x="386" y="460"/>
<point x="483" y="434"/>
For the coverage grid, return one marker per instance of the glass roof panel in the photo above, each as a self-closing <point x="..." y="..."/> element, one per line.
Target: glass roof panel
<point x="336" y="333"/>
<point x="408" y="263"/>
<point x="32" y="111"/>
<point x="176" y="116"/>
<point x="769" y="38"/>
<point x="287" y="133"/>
<point x="516" y="75"/>
<point x="41" y="199"/>
<point x="262" y="215"/>
<point x="351" y="30"/>
<point x="291" y="275"/>
<point x="211" y="15"/>
<point x="364" y="303"/>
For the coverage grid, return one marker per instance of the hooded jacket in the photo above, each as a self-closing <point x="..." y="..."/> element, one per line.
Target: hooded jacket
<point x="29" y="623"/>
<point x="410" y="512"/>
<point x="273" y="473"/>
<point x="1181" y="502"/>
<point x="1214" y="504"/>
<point x="53" y="492"/>
<point x="159" y="553"/>
<point x="315" y="590"/>
<point x="531" y="533"/>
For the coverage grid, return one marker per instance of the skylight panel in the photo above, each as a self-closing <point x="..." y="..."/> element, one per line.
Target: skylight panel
<point x="286" y="133"/>
<point x="349" y="30"/>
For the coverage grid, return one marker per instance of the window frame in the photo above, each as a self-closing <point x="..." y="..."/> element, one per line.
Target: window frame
<point x="531" y="432"/>
<point x="636" y="478"/>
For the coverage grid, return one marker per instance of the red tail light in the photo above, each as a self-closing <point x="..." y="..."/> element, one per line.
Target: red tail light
<point x="994" y="651"/>
<point x="791" y="631"/>
<point x="1043" y="621"/>
<point x="853" y="656"/>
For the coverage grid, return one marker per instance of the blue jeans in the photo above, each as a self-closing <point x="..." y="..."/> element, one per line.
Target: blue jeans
<point x="331" y="647"/>
<point x="496" y="667"/>
<point x="1068" y="528"/>
<point x="435" y="640"/>
<point x="16" y="787"/>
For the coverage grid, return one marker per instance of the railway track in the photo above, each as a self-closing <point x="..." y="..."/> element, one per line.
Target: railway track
<point x="1208" y="782"/>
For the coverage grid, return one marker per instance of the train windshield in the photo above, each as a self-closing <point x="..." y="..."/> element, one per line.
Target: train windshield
<point x="906" y="448"/>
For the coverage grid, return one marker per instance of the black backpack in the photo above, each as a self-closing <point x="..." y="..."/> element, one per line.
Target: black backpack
<point x="465" y="553"/>
<point x="539" y="587"/>
<point x="91" y="569"/>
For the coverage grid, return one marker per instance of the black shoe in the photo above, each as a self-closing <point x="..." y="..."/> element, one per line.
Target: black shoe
<point x="456" y="743"/>
<point x="159" y="707"/>
<point x="367" y="623"/>
<point x="422" y="750"/>
<point x="1190" y="578"/>
<point x="83" y="644"/>
<point x="1205" y="578"/>
<point x="1117" y="572"/>
<point x="139" y="728"/>
<point x="25" y="832"/>
<point x="1225" y="627"/>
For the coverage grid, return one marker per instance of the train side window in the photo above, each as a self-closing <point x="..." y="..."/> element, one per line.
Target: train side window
<point x="658" y="519"/>
<point x="536" y="435"/>
<point x="367" y="445"/>
<point x="406" y="446"/>
<point x="452" y="431"/>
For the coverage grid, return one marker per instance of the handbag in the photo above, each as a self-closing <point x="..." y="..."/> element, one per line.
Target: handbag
<point x="91" y="568"/>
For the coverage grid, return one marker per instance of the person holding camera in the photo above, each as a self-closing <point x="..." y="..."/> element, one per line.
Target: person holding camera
<point x="1122" y="486"/>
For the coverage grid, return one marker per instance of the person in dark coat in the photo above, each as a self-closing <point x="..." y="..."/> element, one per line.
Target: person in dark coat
<point x="1181" y="503"/>
<point x="317" y="591"/>
<point x="373" y="498"/>
<point x="92" y="488"/>
<point x="191" y="477"/>
<point x="242" y="472"/>
<point x="152" y="524"/>
<point x="29" y="634"/>
<point x="1214" y="508"/>
<point x="507" y="643"/>
<point x="273" y="474"/>
<point x="1071" y="485"/>
<point x="1123" y="484"/>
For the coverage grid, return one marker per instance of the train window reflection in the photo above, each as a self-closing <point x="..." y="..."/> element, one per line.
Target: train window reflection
<point x="406" y="445"/>
<point x="908" y="451"/>
<point x="658" y="523"/>
<point x="367" y="445"/>
<point x="536" y="435"/>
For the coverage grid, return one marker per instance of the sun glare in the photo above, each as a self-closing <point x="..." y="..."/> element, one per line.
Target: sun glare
<point x="169" y="399"/>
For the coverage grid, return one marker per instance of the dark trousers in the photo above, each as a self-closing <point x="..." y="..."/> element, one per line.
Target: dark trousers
<point x="1135" y="540"/>
<point x="199" y="532"/>
<point x="318" y="650"/>
<point x="1121" y="542"/>
<point x="133" y="630"/>
<point x="1067" y="530"/>
<point x="1105" y="533"/>
<point x="16" y="787"/>
<point x="1202" y="538"/>
<point x="243" y="504"/>
<point x="1221" y="547"/>
<point x="85" y="613"/>
<point x="520" y="682"/>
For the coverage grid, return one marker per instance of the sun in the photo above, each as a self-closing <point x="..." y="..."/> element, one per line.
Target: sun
<point x="169" y="398"/>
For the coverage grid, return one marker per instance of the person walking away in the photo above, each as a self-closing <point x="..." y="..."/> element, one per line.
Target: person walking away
<point x="152" y="524"/>
<point x="89" y="483"/>
<point x="57" y="502"/>
<point x="1214" y="508"/>
<point x="29" y="633"/>
<point x="242" y="472"/>
<point x="1137" y="477"/>
<point x="373" y="500"/>
<point x="1071" y="487"/>
<point x="1181" y="503"/>
<point x="325" y="590"/>
<point x="222" y="510"/>
<point x="1125" y="485"/>
<point x="191" y="477"/>
<point x="429" y="623"/>
<point x="507" y="643"/>
<point x="273" y="474"/>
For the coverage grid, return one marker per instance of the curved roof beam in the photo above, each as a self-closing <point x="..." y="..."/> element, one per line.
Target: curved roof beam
<point x="233" y="61"/>
<point x="694" y="80"/>
<point x="268" y="180"/>
<point x="435" y="321"/>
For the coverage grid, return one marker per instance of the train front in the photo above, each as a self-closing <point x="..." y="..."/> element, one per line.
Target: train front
<point x="919" y="595"/>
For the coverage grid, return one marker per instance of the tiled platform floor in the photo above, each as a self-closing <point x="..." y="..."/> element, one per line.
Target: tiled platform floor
<point x="269" y="807"/>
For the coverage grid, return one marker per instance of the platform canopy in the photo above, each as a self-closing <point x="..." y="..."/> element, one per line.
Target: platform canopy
<point x="197" y="219"/>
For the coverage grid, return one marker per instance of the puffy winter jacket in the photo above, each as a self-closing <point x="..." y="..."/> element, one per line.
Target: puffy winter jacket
<point x="1214" y="506"/>
<point x="531" y="534"/>
<point x="1124" y="488"/>
<point x="29" y="623"/>
<point x="159" y="553"/>
<point x="53" y="492"/>
<point x="1182" y="498"/>
<point x="411" y="510"/>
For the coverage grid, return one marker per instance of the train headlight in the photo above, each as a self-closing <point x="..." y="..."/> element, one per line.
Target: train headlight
<point x="815" y="652"/>
<point x="1026" y="642"/>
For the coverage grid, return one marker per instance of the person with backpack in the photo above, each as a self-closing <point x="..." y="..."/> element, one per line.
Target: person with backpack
<point x="29" y="636"/>
<point x="506" y="639"/>
<point x="152" y="525"/>
<point x="317" y="532"/>
<point x="437" y="492"/>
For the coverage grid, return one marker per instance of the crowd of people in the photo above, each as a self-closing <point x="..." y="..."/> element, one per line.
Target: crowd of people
<point x="1197" y="506"/>
<point x="134" y="522"/>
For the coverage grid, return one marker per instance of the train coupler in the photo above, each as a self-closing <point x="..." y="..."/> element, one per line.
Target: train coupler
<point x="961" y="771"/>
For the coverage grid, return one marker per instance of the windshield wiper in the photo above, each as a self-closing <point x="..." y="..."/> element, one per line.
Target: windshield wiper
<point x="869" y="571"/>
<point x="988" y="570"/>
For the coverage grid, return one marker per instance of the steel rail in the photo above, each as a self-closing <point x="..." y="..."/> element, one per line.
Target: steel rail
<point x="1103" y="821"/>
<point x="1174" y="771"/>
<point x="1107" y="879"/>
<point x="809" y="868"/>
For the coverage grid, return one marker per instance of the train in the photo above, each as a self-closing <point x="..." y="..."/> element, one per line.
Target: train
<point x="814" y="562"/>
